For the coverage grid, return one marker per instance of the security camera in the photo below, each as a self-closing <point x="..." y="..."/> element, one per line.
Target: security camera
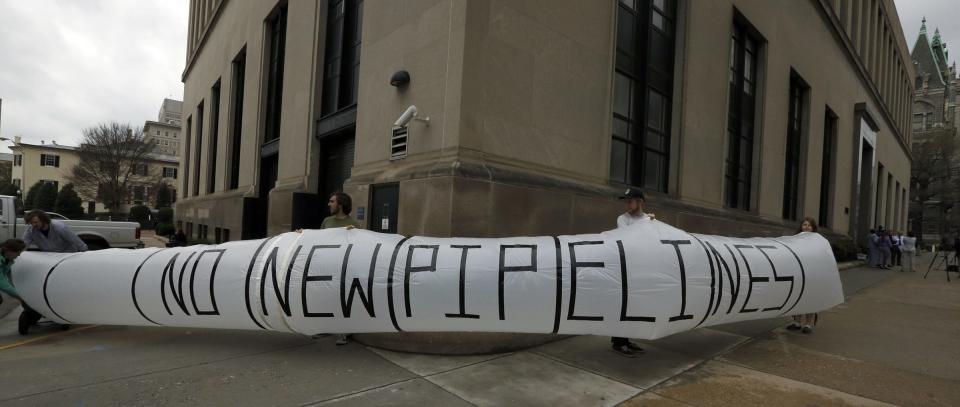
<point x="408" y="115"/>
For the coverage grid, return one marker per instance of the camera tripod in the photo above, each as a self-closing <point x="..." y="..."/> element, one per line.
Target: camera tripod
<point x="943" y="258"/>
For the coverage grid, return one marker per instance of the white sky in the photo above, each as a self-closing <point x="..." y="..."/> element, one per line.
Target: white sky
<point x="69" y="64"/>
<point x="943" y="14"/>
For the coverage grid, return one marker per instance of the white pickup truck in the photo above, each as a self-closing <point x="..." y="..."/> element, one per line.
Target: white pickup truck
<point x="96" y="234"/>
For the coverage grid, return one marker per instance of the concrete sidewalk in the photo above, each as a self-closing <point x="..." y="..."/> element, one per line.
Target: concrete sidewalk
<point x="894" y="341"/>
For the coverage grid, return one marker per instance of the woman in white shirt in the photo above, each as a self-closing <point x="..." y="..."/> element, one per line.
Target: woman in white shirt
<point x="908" y="245"/>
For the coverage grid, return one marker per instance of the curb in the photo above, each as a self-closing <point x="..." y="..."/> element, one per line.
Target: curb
<point x="850" y="264"/>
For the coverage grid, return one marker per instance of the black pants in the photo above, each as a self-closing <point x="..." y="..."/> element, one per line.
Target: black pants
<point x="618" y="341"/>
<point x="33" y="316"/>
<point x="897" y="256"/>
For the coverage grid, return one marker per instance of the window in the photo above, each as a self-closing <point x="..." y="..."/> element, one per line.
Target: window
<point x="16" y="182"/>
<point x="236" y="133"/>
<point x="198" y="147"/>
<point x="138" y="193"/>
<point x="741" y="116"/>
<point x="158" y="132"/>
<point x="55" y="183"/>
<point x="226" y="235"/>
<point x="341" y="55"/>
<point x="643" y="93"/>
<point x="166" y="134"/>
<point x="141" y="169"/>
<point x="49" y="160"/>
<point x="186" y="159"/>
<point x="18" y="160"/>
<point x="276" y="43"/>
<point x="214" y="129"/>
<point x="791" y="175"/>
<point x="170" y="172"/>
<point x="826" y="171"/>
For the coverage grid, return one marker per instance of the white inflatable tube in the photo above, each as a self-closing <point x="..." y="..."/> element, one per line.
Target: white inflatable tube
<point x="646" y="281"/>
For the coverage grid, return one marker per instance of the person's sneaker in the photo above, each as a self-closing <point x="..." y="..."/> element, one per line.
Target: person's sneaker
<point x="342" y="339"/>
<point x="23" y="323"/>
<point x="625" y="351"/>
<point x="635" y="348"/>
<point x="807" y="329"/>
<point x="793" y="326"/>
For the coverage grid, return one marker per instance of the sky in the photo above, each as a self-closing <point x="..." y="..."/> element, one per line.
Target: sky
<point x="943" y="14"/>
<point x="66" y="65"/>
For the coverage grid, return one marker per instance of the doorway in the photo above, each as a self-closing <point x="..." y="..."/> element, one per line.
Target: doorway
<point x="384" y="208"/>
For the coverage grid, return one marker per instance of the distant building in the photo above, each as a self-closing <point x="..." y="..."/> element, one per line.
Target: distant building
<point x="165" y="132"/>
<point x="52" y="163"/>
<point x="936" y="111"/>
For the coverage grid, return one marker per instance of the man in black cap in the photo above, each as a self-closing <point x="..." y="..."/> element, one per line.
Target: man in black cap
<point x="634" y="200"/>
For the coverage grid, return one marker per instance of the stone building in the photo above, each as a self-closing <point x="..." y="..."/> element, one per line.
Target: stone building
<point x="165" y="132"/>
<point x="936" y="111"/>
<point x="737" y="117"/>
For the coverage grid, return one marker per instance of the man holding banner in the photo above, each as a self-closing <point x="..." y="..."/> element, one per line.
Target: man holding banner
<point x="634" y="200"/>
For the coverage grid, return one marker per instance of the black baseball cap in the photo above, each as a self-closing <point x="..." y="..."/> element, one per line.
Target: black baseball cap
<point x="632" y="193"/>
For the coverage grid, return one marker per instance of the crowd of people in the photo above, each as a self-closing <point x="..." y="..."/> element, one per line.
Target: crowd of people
<point x="890" y="248"/>
<point x="887" y="249"/>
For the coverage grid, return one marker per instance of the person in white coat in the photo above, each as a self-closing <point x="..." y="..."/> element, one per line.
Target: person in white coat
<point x="908" y="245"/>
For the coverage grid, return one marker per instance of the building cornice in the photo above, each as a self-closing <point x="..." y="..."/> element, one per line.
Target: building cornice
<point x="192" y="55"/>
<point x="828" y="12"/>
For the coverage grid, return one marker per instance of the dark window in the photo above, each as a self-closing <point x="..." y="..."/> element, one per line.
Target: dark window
<point x="214" y="129"/>
<point x="55" y="183"/>
<point x="198" y="147"/>
<point x="170" y="172"/>
<point x="16" y="182"/>
<point x="276" y="43"/>
<point x="791" y="174"/>
<point x="341" y="55"/>
<point x="826" y="171"/>
<point x="49" y="160"/>
<point x="186" y="158"/>
<point x="18" y="160"/>
<point x="138" y="194"/>
<point x="226" y="235"/>
<point x="741" y="116"/>
<point x="141" y="169"/>
<point x="239" y="73"/>
<point x="643" y="93"/>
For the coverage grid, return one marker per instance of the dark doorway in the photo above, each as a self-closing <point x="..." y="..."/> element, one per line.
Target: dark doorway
<point x="384" y="208"/>
<point x="336" y="161"/>
<point x="257" y="212"/>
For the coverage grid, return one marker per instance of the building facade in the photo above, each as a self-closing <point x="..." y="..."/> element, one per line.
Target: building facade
<point x="164" y="133"/>
<point x="737" y="117"/>
<point x="52" y="163"/>
<point x="936" y="111"/>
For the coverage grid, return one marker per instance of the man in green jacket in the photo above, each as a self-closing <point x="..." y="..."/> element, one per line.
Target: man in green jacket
<point x="9" y="251"/>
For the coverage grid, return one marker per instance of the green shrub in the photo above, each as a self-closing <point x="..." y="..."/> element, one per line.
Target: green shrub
<point x="165" y="229"/>
<point x="165" y="215"/>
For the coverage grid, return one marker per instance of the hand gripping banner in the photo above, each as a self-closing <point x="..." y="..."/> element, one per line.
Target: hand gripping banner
<point x="649" y="280"/>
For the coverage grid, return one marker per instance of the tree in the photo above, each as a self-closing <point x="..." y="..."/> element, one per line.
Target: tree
<point x="6" y="171"/>
<point x="112" y="156"/>
<point x="934" y="178"/>
<point x="163" y="196"/>
<point x="47" y="197"/>
<point x="31" y="201"/>
<point x="68" y="203"/>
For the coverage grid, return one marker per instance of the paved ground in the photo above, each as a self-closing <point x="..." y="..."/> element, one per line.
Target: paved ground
<point x="895" y="341"/>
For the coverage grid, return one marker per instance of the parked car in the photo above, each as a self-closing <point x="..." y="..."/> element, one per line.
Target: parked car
<point x="96" y="234"/>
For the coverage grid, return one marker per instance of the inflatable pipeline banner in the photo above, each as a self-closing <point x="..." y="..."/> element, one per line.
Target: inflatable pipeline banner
<point x="648" y="281"/>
